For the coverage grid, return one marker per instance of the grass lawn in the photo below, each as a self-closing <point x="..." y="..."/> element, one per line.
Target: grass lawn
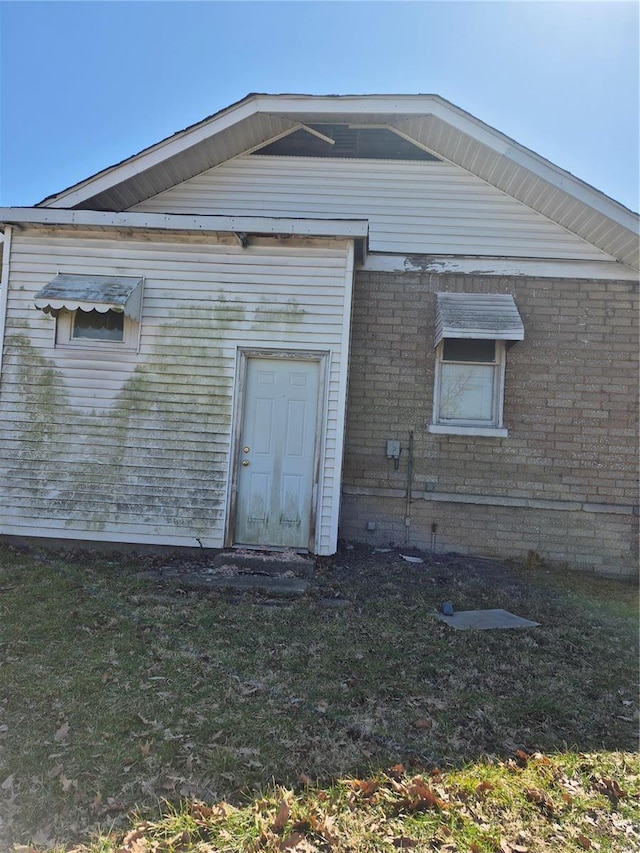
<point x="136" y="716"/>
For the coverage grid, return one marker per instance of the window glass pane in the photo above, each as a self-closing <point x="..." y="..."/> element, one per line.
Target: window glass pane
<point x="465" y="349"/>
<point x="98" y="326"/>
<point x="466" y="392"/>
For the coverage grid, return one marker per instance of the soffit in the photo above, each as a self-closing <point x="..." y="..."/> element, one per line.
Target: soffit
<point x="203" y="155"/>
<point x="501" y="170"/>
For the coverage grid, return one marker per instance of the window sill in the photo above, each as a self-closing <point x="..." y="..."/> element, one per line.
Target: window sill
<point x="97" y="346"/>
<point x="487" y="432"/>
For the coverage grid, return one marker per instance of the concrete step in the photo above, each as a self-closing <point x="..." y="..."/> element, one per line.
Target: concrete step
<point x="266" y="562"/>
<point x="264" y="583"/>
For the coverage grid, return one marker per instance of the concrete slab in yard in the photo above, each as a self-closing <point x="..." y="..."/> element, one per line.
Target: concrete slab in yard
<point x="483" y="620"/>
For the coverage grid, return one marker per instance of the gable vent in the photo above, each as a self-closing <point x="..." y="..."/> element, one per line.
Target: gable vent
<point x="360" y="143"/>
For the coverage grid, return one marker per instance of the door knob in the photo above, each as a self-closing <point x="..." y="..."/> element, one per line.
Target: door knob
<point x="245" y="462"/>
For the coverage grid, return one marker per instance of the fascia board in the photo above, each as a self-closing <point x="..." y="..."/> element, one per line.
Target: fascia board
<point x="346" y="228"/>
<point x="574" y="187"/>
<point x="536" y="164"/>
<point x="157" y="153"/>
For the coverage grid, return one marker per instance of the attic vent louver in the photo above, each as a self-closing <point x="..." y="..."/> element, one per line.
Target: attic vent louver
<point x="360" y="143"/>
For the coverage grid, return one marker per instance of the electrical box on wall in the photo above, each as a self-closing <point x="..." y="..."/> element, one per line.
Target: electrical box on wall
<point x="393" y="449"/>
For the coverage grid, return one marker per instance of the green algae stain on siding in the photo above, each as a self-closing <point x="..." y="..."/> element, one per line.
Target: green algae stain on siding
<point x="39" y="383"/>
<point x="226" y="312"/>
<point x="155" y="456"/>
<point x="174" y="414"/>
<point x="278" y="316"/>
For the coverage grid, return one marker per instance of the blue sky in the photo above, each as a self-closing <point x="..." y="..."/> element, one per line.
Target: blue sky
<point x="86" y="84"/>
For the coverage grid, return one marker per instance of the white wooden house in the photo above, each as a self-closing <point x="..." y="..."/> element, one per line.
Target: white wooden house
<point x="305" y="315"/>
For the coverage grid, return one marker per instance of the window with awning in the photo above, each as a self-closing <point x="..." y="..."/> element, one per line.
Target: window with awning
<point x="98" y="310"/>
<point x="473" y="332"/>
<point x="101" y="293"/>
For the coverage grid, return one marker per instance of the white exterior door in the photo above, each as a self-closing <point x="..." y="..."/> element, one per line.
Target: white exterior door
<point x="276" y="459"/>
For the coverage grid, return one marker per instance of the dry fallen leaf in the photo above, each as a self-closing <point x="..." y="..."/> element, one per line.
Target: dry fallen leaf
<point x="611" y="790"/>
<point x="483" y="787"/>
<point x="583" y="841"/>
<point x="297" y="843"/>
<point x="134" y="841"/>
<point x="282" y="817"/>
<point x="200" y="811"/>
<point x="62" y="732"/>
<point x="420" y="796"/>
<point x="366" y="787"/>
<point x="396" y="772"/>
<point x="67" y="784"/>
<point x="540" y="798"/>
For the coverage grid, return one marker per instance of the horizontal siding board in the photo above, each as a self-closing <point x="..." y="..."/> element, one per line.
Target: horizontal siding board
<point x="136" y="535"/>
<point x="495" y="168"/>
<point x="115" y="445"/>
<point x="412" y="207"/>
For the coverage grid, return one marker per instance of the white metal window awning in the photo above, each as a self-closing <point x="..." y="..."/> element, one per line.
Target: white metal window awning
<point x="92" y="293"/>
<point x="484" y="316"/>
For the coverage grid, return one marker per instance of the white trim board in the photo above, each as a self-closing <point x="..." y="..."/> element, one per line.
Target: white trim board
<point x="614" y="271"/>
<point x="353" y="228"/>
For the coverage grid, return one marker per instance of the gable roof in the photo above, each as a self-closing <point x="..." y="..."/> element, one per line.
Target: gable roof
<point x="435" y="124"/>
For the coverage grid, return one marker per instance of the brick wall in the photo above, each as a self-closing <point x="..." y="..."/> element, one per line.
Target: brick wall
<point x="564" y="481"/>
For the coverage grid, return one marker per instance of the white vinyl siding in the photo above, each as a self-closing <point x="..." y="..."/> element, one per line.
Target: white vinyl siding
<point x="412" y="207"/>
<point x="133" y="447"/>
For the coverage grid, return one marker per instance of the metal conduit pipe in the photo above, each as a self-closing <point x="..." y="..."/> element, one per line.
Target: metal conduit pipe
<point x="407" y="511"/>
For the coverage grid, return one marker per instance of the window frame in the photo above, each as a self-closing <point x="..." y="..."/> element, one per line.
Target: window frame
<point x="471" y="426"/>
<point x="64" y="337"/>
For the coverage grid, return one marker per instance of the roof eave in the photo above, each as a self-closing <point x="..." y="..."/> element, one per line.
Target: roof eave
<point x="296" y="107"/>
